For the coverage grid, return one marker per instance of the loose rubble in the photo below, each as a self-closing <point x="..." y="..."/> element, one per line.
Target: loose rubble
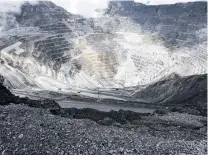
<point x="27" y="130"/>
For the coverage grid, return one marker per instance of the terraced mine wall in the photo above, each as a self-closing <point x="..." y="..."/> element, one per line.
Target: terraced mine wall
<point x="131" y="44"/>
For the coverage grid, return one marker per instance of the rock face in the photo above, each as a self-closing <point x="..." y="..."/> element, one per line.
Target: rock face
<point x="177" y="23"/>
<point x="7" y="98"/>
<point x="46" y="47"/>
<point x="182" y="92"/>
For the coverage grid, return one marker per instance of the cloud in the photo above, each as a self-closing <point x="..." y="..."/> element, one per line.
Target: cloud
<point x="8" y="21"/>
<point x="13" y="5"/>
<point x="87" y="8"/>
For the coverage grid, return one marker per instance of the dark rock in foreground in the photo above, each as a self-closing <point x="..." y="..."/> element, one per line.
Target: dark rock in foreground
<point x="107" y="118"/>
<point x="6" y="98"/>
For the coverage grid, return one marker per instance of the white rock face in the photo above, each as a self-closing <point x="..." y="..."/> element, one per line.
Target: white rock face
<point x="103" y="52"/>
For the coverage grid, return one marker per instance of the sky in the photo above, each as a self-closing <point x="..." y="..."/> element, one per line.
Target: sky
<point x="86" y="8"/>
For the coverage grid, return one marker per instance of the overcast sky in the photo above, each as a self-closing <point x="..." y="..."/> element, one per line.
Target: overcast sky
<point x="83" y="7"/>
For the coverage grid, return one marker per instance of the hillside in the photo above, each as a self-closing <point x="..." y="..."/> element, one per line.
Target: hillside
<point x="49" y="48"/>
<point x="186" y="92"/>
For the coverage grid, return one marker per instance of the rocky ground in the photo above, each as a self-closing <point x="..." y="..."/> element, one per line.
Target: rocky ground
<point x="42" y="127"/>
<point x="26" y="130"/>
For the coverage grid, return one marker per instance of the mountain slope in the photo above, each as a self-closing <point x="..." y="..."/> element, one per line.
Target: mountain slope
<point x="46" y="47"/>
<point x="188" y="91"/>
<point x="177" y="23"/>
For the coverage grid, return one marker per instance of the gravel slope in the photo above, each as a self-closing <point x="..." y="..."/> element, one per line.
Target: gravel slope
<point x="26" y="130"/>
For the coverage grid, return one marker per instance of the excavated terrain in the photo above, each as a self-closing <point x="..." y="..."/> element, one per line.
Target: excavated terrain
<point x="134" y="55"/>
<point x="132" y="44"/>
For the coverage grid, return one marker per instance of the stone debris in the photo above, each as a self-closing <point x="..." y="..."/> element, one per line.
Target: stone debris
<point x="27" y="130"/>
